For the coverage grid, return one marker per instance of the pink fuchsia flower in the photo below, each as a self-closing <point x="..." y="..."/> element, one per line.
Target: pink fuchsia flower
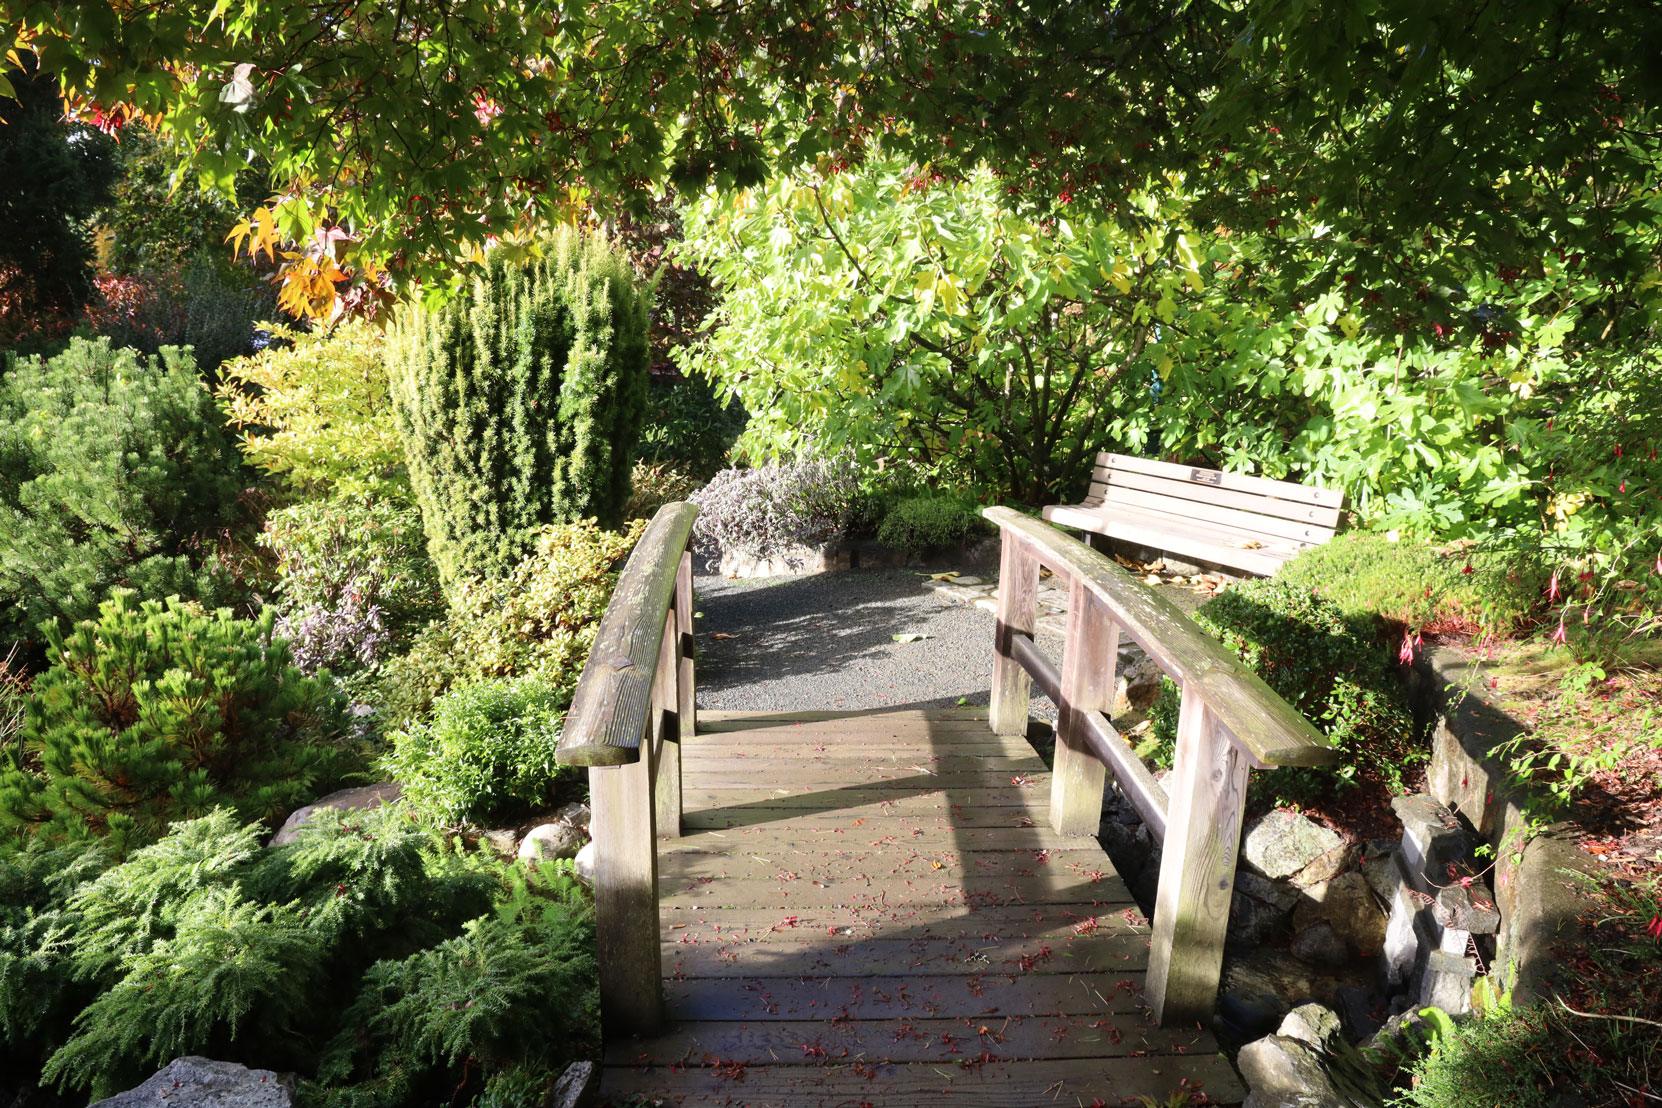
<point x="1558" y="635"/>
<point x="1654" y="927"/>
<point x="1552" y="586"/>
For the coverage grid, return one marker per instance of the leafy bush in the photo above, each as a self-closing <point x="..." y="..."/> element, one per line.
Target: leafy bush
<point x="1328" y="666"/>
<point x="113" y="471"/>
<point x="538" y="621"/>
<point x="151" y="714"/>
<point x="924" y="524"/>
<point x="762" y="510"/>
<point x="687" y="428"/>
<point x="1414" y="585"/>
<point x="206" y="943"/>
<point x="651" y="486"/>
<point x="316" y="411"/>
<point x="520" y="402"/>
<point x="487" y="755"/>
<point x="355" y="578"/>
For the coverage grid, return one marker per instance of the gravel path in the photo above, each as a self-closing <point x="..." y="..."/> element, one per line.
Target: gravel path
<point x="826" y="642"/>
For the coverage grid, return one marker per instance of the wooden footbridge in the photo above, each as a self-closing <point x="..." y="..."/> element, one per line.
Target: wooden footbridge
<point x="905" y="908"/>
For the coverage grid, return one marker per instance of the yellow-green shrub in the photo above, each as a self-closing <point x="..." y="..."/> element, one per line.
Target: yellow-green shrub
<point x="537" y="620"/>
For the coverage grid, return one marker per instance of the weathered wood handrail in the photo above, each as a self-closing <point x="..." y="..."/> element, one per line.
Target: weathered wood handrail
<point x="633" y="707"/>
<point x="1229" y="720"/>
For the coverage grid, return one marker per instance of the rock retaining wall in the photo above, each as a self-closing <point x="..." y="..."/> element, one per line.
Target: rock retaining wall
<point x="1535" y="897"/>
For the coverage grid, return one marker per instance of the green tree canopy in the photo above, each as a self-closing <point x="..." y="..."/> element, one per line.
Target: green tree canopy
<point x="409" y="134"/>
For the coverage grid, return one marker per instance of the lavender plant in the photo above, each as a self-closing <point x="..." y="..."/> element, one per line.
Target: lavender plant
<point x="762" y="510"/>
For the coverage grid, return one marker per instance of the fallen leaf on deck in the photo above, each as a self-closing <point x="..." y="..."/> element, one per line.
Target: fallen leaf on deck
<point x="1152" y="579"/>
<point x="910" y="636"/>
<point x="722" y="635"/>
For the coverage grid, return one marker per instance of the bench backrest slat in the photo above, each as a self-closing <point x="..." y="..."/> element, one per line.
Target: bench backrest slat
<point x="1240" y="482"/>
<point x="1282" y="507"/>
<point x="1251" y="523"/>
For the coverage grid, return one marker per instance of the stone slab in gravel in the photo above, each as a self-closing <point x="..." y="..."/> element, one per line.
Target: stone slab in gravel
<point x="826" y="643"/>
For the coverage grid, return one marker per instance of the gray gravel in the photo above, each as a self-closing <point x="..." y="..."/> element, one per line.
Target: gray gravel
<point x="826" y="642"/>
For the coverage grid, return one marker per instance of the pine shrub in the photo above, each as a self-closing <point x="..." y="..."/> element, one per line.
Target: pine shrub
<point x="154" y="713"/>
<point x="370" y="954"/>
<point x="1331" y="667"/>
<point x="113" y="471"/>
<point x="520" y="402"/>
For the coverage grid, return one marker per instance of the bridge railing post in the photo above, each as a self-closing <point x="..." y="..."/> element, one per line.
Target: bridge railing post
<point x="633" y="707"/>
<point x="1197" y="865"/>
<point x="1018" y="615"/>
<point x="623" y="824"/>
<point x="1230" y="721"/>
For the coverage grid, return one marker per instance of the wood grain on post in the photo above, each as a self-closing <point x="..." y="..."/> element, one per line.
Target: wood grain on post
<point x="626" y="897"/>
<point x="608" y="715"/>
<point x="1197" y="866"/>
<point x="1270" y="731"/>
<point x="666" y="778"/>
<point x="1018" y="616"/>
<point x="1089" y="657"/>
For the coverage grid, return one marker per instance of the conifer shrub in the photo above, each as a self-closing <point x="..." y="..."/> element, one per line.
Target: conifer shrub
<point x="1331" y="667"/>
<point x="538" y="621"/>
<point x="487" y="754"/>
<point x="520" y="402"/>
<point x="153" y="713"/>
<point x="371" y="957"/>
<point x="114" y="471"/>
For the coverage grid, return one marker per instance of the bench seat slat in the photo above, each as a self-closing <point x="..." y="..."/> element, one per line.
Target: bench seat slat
<point x="1280" y="507"/>
<point x="1173" y="534"/>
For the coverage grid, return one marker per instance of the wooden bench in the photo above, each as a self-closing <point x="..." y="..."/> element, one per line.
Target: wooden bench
<point x="1246" y="523"/>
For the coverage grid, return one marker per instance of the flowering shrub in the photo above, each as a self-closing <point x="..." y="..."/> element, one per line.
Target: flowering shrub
<point x="1415" y="586"/>
<point x="355" y="578"/>
<point x="354" y="633"/>
<point x="765" y="509"/>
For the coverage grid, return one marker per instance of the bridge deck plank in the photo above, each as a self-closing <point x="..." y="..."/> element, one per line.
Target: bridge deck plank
<point x="869" y="909"/>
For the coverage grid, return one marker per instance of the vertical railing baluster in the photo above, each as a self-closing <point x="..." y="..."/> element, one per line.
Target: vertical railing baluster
<point x="1018" y="614"/>
<point x="686" y="684"/>
<point x="1197" y="867"/>
<point x="1089" y="656"/>
<point x="665" y="718"/>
